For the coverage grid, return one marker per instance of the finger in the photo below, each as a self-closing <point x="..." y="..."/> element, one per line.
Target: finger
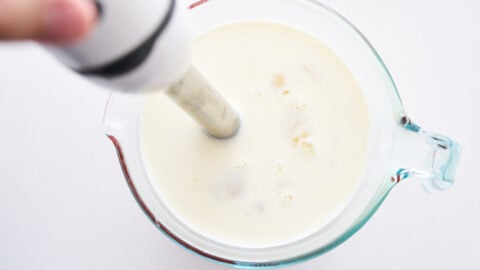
<point x="56" y="21"/>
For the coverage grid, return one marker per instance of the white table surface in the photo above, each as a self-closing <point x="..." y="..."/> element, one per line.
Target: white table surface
<point x="64" y="203"/>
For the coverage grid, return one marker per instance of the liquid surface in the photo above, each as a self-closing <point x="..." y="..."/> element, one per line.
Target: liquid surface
<point x="299" y="155"/>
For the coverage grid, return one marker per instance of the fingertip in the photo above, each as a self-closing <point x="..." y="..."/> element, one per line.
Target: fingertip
<point x="90" y="16"/>
<point x="67" y="21"/>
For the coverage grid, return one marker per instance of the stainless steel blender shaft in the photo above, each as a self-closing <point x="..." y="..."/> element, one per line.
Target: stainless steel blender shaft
<point x="197" y="97"/>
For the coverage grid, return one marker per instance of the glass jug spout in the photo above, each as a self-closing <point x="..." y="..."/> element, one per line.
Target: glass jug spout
<point x="421" y="154"/>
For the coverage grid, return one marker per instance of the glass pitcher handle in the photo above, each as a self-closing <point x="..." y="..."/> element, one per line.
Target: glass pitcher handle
<point x="424" y="155"/>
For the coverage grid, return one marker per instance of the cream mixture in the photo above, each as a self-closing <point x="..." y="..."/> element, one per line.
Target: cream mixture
<point x="300" y="153"/>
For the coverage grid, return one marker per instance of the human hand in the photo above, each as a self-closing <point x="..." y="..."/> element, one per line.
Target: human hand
<point x="51" y="21"/>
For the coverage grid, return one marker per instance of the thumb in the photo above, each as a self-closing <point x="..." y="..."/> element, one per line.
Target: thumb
<point x="54" y="21"/>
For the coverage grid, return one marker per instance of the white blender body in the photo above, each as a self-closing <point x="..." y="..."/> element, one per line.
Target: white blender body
<point x="135" y="45"/>
<point x="144" y="45"/>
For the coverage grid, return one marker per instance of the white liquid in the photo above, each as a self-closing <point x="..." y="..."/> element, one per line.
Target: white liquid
<point x="300" y="153"/>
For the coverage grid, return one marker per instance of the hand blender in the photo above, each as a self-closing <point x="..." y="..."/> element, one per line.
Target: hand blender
<point x="144" y="45"/>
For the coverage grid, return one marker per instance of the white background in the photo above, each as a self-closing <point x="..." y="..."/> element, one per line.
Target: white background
<point x="64" y="203"/>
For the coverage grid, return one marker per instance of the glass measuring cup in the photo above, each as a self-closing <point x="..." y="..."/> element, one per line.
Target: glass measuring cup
<point x="397" y="149"/>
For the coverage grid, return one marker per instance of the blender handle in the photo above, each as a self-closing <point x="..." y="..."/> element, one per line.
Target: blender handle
<point x="143" y="45"/>
<point x="135" y="45"/>
<point x="424" y="155"/>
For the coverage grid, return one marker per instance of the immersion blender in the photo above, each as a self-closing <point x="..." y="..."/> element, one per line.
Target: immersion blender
<point x="144" y="45"/>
